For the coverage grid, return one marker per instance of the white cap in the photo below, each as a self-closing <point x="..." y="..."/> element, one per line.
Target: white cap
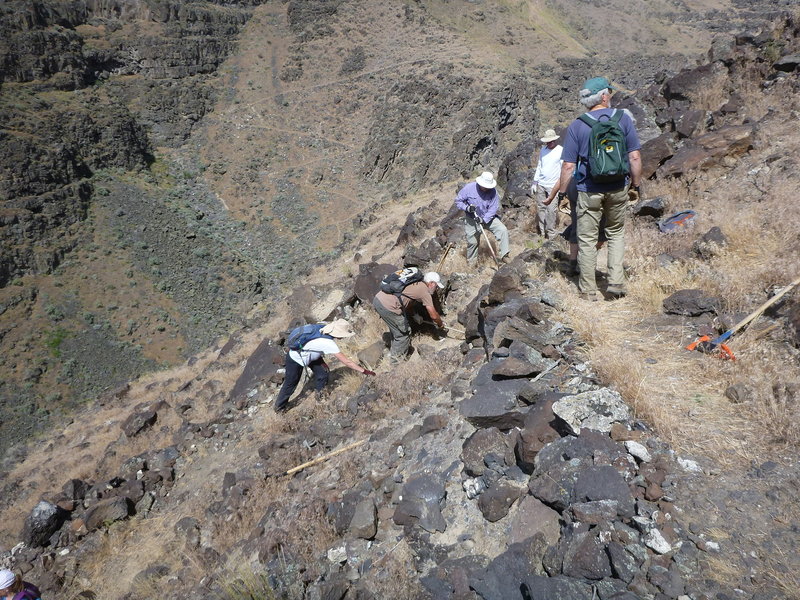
<point x="7" y="579"/>
<point x="486" y="180"/>
<point x="433" y="276"/>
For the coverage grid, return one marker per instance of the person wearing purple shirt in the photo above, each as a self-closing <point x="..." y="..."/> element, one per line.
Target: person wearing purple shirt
<point x="480" y="202"/>
<point x="598" y="199"/>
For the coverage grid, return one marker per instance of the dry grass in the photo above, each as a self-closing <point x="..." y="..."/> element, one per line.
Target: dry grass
<point x="126" y="549"/>
<point x="241" y="582"/>
<point x="408" y="383"/>
<point x="395" y="576"/>
<point x="681" y="393"/>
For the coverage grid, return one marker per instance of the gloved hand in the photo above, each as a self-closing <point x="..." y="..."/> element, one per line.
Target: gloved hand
<point x="470" y="210"/>
<point x="368" y="372"/>
<point x="634" y="193"/>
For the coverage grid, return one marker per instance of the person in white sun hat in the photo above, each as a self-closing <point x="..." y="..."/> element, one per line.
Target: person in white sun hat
<point x="545" y="183"/>
<point x="13" y="588"/>
<point x="480" y="202"/>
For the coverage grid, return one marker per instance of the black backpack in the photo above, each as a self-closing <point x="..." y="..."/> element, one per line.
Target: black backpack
<point x="300" y="336"/>
<point x="608" y="150"/>
<point x="395" y="283"/>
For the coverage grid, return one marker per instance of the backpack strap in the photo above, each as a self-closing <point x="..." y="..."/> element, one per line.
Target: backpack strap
<point x="590" y="120"/>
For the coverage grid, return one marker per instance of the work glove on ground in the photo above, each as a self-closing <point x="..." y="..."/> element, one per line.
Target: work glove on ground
<point x="634" y="193"/>
<point x="368" y="372"/>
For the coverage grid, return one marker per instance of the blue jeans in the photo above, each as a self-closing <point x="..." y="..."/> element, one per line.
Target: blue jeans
<point x="292" y="377"/>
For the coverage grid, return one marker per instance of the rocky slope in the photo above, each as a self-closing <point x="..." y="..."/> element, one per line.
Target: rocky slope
<point x="497" y="466"/>
<point x="213" y="151"/>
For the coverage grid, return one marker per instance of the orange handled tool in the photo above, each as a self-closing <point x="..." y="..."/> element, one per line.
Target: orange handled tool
<point x="706" y="345"/>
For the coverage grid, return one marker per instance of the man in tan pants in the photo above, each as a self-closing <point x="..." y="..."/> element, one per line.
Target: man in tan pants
<point x="597" y="197"/>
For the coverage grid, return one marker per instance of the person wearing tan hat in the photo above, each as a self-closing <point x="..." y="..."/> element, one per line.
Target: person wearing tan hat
<point x="309" y="350"/>
<point x="13" y="588"/>
<point x="392" y="309"/>
<point x="480" y="202"/>
<point x="545" y="183"/>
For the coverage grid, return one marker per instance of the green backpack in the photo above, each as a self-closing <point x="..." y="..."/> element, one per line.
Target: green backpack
<point x="608" y="151"/>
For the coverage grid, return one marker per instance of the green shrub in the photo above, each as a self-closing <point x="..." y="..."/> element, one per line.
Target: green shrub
<point x="54" y="339"/>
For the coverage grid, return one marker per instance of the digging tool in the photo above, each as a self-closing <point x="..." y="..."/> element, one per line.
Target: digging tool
<point x="446" y="251"/>
<point x="488" y="242"/>
<point x="454" y="329"/>
<point x="319" y="459"/>
<point x="482" y="233"/>
<point x="706" y="345"/>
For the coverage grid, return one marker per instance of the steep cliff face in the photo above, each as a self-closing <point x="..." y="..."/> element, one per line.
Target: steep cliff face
<point x="138" y="72"/>
<point x="89" y="89"/>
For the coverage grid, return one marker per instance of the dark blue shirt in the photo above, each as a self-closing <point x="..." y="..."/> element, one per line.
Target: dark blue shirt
<point x="576" y="150"/>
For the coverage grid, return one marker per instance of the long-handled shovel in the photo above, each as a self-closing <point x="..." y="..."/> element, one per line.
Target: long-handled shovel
<point x="706" y="344"/>
<point x="446" y="252"/>
<point x="449" y="329"/>
<point x="319" y="459"/>
<point x="488" y="242"/>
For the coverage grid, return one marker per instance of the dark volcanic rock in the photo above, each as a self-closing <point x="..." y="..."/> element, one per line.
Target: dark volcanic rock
<point x="501" y="580"/>
<point x="651" y="207"/>
<point x="365" y="519"/>
<point x="138" y="422"/>
<point x="655" y="153"/>
<point x="506" y="283"/>
<point x="368" y="281"/>
<point x="787" y="63"/>
<point x="531" y="517"/>
<point x="689" y="122"/>
<point x="580" y="553"/>
<point x="495" y="502"/>
<point x="107" y="511"/>
<point x="554" y="485"/>
<point x="262" y="365"/>
<point x="604" y="483"/>
<point x="538" y="587"/>
<point x="708" y="149"/>
<point x="690" y="303"/>
<point x="493" y="403"/>
<point x="690" y="82"/>
<point x="42" y="522"/>
<point x="539" y="428"/>
<point x="478" y="445"/>
<point x="710" y="242"/>
<point x="423" y="499"/>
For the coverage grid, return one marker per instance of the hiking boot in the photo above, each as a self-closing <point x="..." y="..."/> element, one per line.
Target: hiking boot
<point x="616" y="291"/>
<point x="589" y="296"/>
<point x="279" y="410"/>
<point x="505" y="259"/>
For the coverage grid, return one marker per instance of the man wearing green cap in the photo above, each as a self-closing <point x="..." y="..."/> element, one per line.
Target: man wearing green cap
<point x="601" y="193"/>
